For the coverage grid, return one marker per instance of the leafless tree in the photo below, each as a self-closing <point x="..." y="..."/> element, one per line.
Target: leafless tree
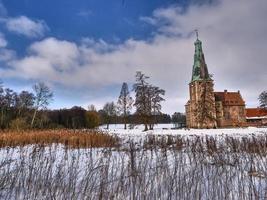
<point x="7" y="100"/>
<point x="110" y="111"/>
<point x="42" y="97"/>
<point x="25" y="101"/>
<point x="125" y="103"/>
<point x="263" y="99"/>
<point x="91" y="108"/>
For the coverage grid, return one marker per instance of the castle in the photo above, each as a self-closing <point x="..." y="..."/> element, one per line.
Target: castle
<point x="209" y="109"/>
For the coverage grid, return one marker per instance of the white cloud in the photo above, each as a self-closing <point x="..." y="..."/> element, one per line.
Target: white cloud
<point x="3" y="10"/>
<point x="60" y="54"/>
<point x="5" y="53"/>
<point x="234" y="43"/>
<point x="85" y="13"/>
<point x="149" y="20"/>
<point x="3" y="42"/>
<point x="25" y="26"/>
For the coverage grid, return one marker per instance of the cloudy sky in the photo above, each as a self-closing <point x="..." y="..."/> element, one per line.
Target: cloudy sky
<point x="84" y="50"/>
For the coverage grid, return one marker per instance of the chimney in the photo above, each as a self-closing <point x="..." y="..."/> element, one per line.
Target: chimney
<point x="225" y="91"/>
<point x="238" y="91"/>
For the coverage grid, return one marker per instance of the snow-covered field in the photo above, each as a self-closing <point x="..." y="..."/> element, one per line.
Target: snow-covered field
<point x="167" y="129"/>
<point x="162" y="164"/>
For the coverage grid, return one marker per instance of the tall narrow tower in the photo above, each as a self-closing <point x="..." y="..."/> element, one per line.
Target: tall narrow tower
<point x="200" y="109"/>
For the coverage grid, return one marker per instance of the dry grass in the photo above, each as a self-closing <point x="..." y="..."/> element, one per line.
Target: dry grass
<point x="165" y="167"/>
<point x="69" y="138"/>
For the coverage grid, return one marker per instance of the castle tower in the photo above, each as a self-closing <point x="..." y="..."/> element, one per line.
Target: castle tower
<point x="200" y="109"/>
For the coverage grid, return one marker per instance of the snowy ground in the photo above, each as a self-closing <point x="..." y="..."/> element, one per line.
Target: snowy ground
<point x="229" y="164"/>
<point x="166" y="129"/>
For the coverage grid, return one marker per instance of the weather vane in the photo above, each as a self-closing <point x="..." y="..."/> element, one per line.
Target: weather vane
<point x="196" y="33"/>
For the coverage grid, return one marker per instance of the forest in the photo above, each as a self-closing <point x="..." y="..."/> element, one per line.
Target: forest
<point x="29" y="109"/>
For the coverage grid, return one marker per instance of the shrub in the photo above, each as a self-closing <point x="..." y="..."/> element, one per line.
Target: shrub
<point x="92" y="119"/>
<point x="19" y="124"/>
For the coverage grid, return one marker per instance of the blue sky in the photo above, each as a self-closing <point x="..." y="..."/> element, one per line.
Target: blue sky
<point x="84" y="49"/>
<point x="113" y="21"/>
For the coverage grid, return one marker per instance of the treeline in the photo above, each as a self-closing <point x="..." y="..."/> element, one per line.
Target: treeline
<point x="19" y="110"/>
<point x="78" y="117"/>
<point x="26" y="109"/>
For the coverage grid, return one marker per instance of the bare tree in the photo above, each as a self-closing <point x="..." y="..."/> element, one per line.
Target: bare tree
<point x="91" y="107"/>
<point x="2" y="102"/>
<point x="125" y="102"/>
<point x="263" y="99"/>
<point x="25" y="101"/>
<point x="110" y="111"/>
<point x="7" y="102"/>
<point x="42" y="96"/>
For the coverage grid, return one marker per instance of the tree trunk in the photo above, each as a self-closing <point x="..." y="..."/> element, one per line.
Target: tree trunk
<point x="125" y="123"/>
<point x="33" y="117"/>
<point x="2" y="117"/>
<point x="146" y="128"/>
<point x="19" y="112"/>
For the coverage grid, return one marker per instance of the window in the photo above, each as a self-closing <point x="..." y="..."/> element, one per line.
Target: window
<point x="227" y="115"/>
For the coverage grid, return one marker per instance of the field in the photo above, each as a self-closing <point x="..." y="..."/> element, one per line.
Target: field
<point x="159" y="164"/>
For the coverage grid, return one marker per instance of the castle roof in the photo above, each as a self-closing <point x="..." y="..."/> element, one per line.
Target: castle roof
<point x="256" y="112"/>
<point x="200" y="69"/>
<point x="229" y="98"/>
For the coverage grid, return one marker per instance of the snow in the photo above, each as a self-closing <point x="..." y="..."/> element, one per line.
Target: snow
<point x="259" y="117"/>
<point x="166" y="129"/>
<point x="34" y="172"/>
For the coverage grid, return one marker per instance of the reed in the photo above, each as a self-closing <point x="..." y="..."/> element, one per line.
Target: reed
<point x="69" y="138"/>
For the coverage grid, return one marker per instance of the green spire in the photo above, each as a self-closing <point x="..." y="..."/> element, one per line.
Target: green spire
<point x="200" y="69"/>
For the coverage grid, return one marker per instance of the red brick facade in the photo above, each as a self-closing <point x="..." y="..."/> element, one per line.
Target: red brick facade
<point x="256" y="116"/>
<point x="230" y="109"/>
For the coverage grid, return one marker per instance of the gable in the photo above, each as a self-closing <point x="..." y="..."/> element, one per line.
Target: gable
<point x="229" y="98"/>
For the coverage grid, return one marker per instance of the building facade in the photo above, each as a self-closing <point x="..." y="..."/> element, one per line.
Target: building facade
<point x="209" y="109"/>
<point x="256" y="116"/>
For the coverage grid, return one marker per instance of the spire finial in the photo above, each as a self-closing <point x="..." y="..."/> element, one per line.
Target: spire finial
<point x="196" y="33"/>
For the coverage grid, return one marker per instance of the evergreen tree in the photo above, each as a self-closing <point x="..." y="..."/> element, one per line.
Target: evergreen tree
<point x="204" y="107"/>
<point x="141" y="98"/>
<point x="148" y="100"/>
<point x="155" y="99"/>
<point x="178" y="119"/>
<point x="125" y="102"/>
